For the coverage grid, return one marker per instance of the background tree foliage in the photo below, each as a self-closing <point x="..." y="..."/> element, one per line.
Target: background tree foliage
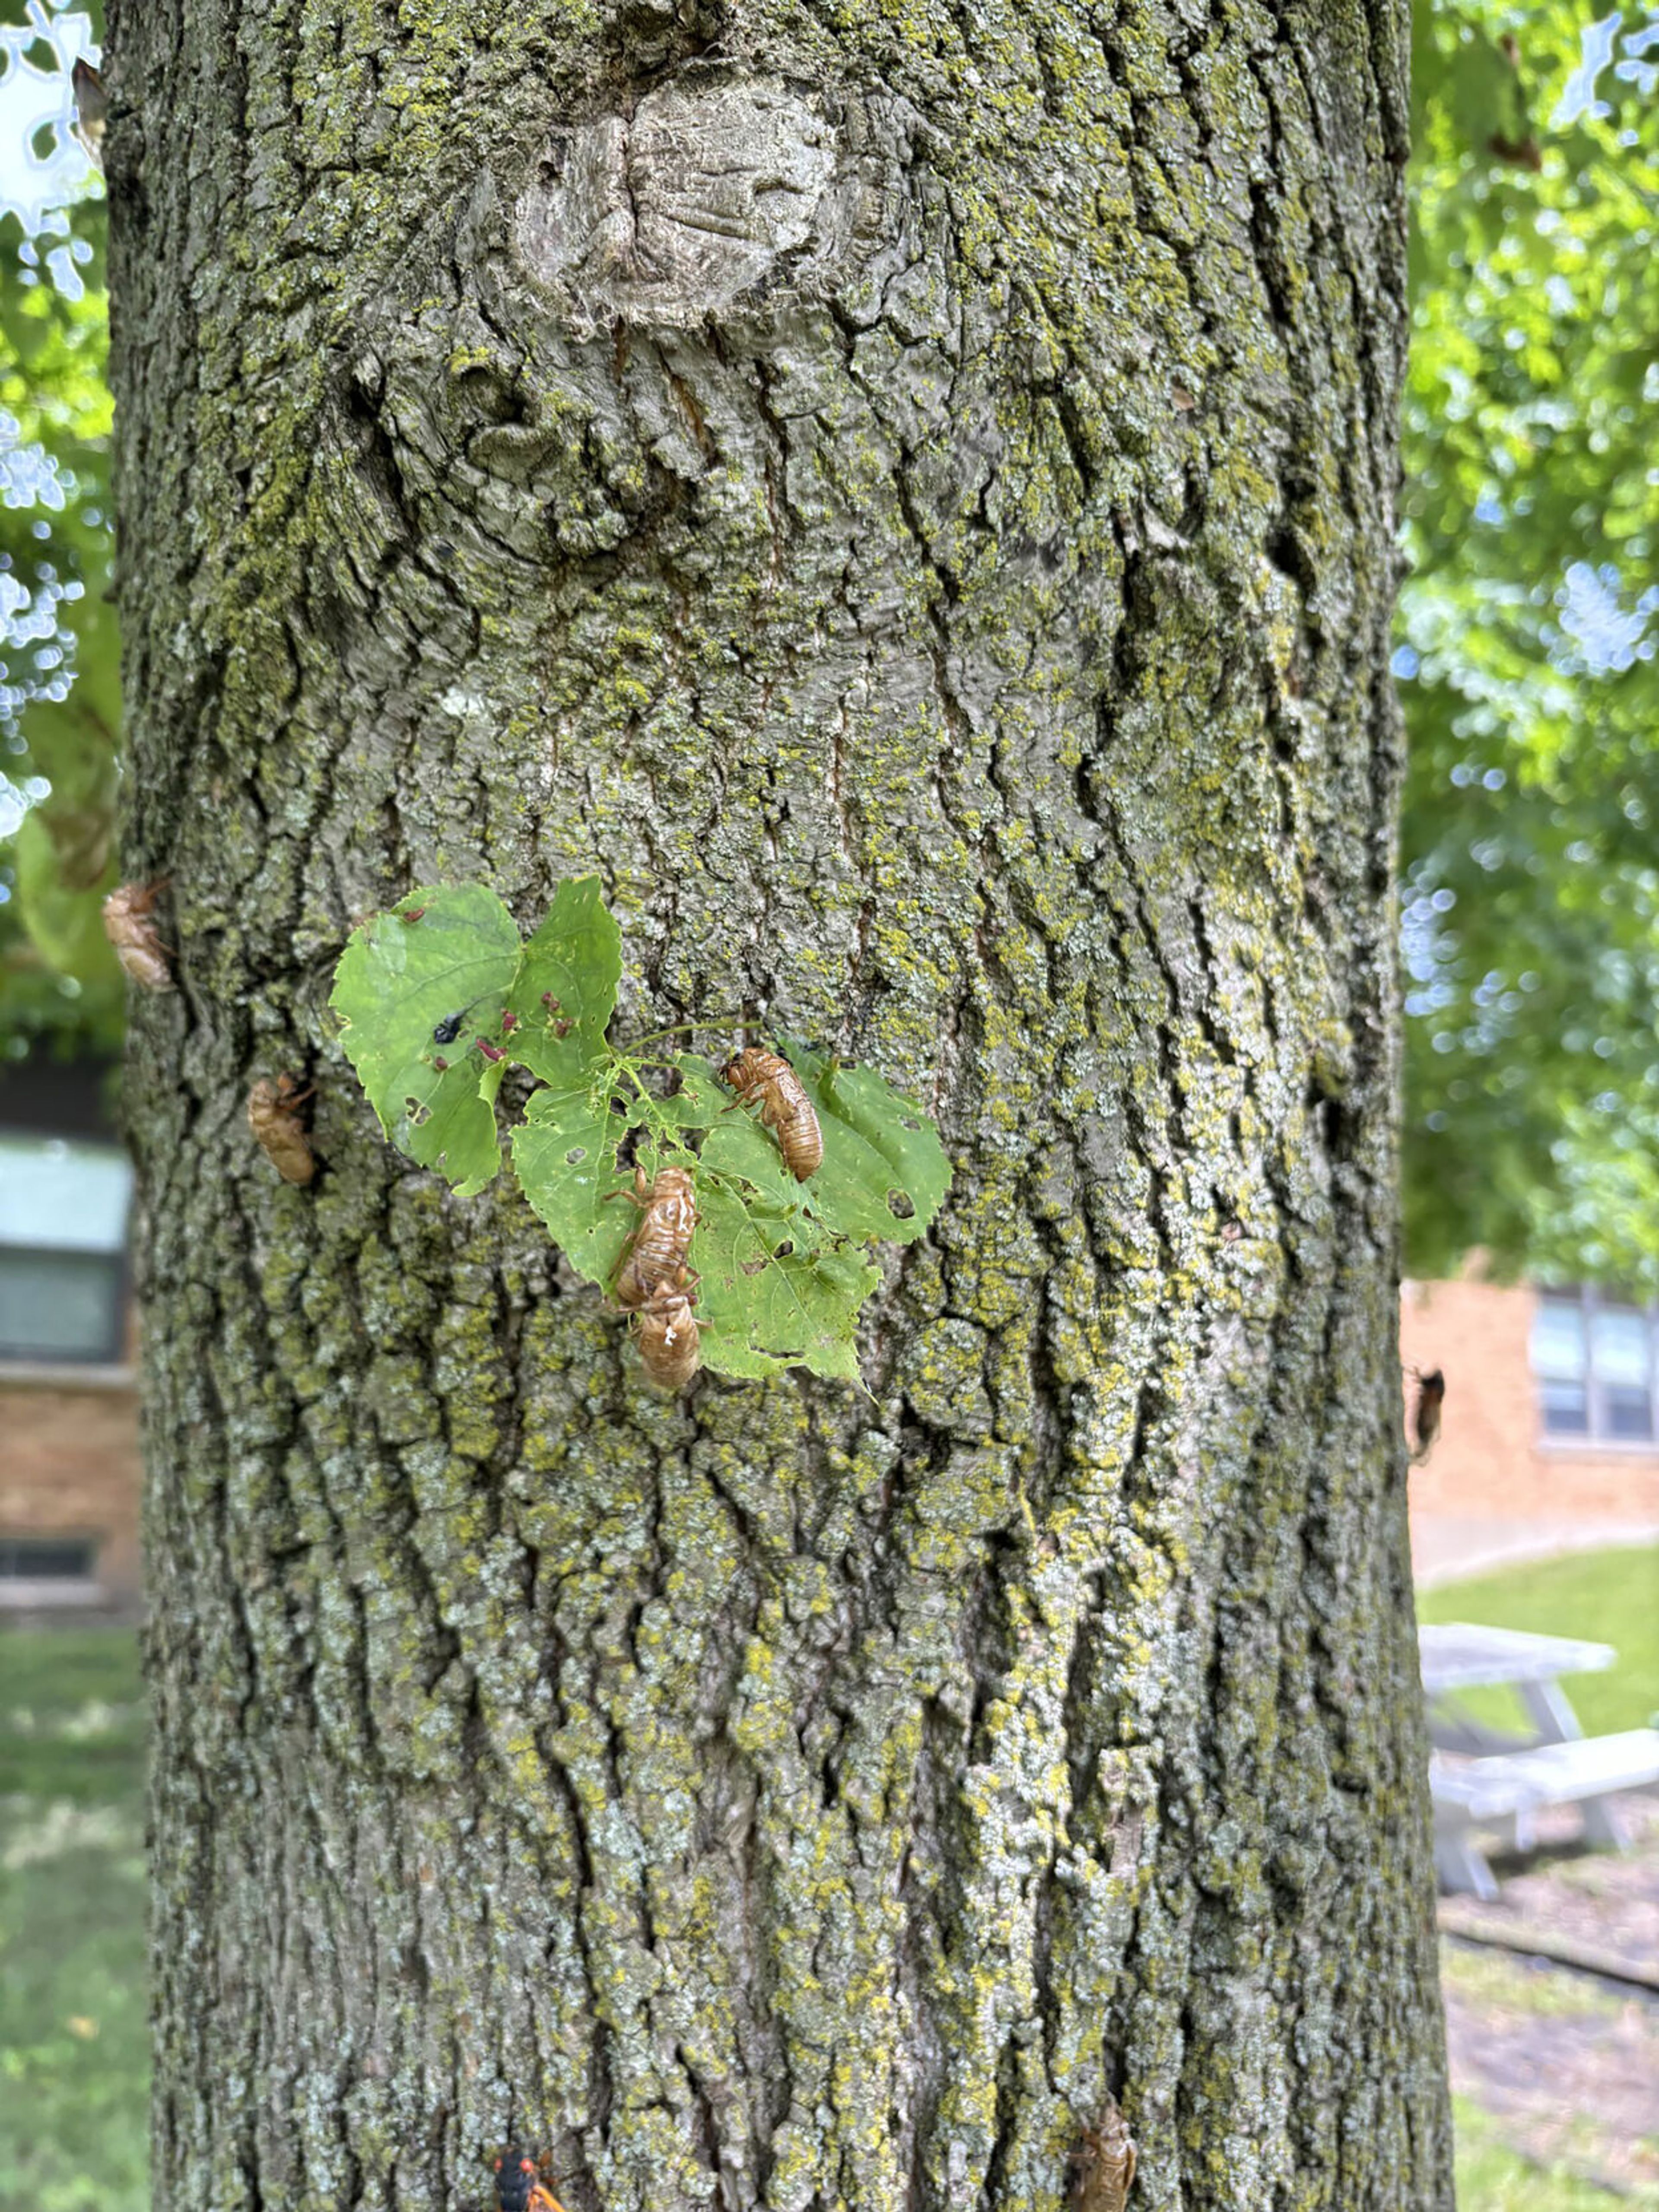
<point x="1530" y="916"/>
<point x="59" y="668"/>
<point x="1526" y="656"/>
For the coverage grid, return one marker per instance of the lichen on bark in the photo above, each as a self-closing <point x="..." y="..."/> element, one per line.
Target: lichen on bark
<point x="904" y="492"/>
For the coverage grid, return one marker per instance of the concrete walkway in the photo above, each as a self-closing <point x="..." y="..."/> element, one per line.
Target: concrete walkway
<point x="1447" y="1547"/>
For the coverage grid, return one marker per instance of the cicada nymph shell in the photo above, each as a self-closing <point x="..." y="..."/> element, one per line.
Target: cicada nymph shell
<point x="1426" y="1420"/>
<point x="91" y="110"/>
<point x="273" y="1114"/>
<point x="129" y="928"/>
<point x="670" y="1349"/>
<point x="655" y="1259"/>
<point x="1103" y="2165"/>
<point x="784" y="1108"/>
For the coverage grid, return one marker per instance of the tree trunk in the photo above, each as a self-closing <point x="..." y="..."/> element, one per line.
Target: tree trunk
<point x="906" y="493"/>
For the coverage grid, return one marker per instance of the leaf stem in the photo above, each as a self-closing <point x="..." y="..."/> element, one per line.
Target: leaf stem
<point x="702" y="1021"/>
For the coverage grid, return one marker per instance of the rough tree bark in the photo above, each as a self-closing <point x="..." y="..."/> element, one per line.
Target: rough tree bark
<point x="904" y="490"/>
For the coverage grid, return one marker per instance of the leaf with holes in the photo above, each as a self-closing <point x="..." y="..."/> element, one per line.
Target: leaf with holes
<point x="415" y="986"/>
<point x="566" y="991"/>
<point x="564" y="1153"/>
<point x="700" y="1101"/>
<point x="773" y="1295"/>
<point x="885" y="1171"/>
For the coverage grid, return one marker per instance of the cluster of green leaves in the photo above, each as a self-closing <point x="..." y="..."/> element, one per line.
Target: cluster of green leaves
<point x="440" y="997"/>
<point x="59" y="654"/>
<point x="1526" y="654"/>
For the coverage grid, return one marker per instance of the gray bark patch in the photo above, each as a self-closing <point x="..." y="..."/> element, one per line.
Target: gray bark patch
<point x="674" y="214"/>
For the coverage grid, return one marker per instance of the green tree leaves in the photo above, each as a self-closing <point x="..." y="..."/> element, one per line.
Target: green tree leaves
<point x="416" y="988"/>
<point x="885" y="1169"/>
<point x="440" y="996"/>
<point x="778" y="1290"/>
<point x="564" y="1153"/>
<point x="1528" y="662"/>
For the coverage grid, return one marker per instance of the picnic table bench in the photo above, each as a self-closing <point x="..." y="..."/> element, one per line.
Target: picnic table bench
<point x="1477" y="1775"/>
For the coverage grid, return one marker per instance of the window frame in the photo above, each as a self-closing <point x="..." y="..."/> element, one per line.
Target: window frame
<point x="58" y="1540"/>
<point x="26" y="1593"/>
<point x="109" y="1362"/>
<point x="1589" y="1299"/>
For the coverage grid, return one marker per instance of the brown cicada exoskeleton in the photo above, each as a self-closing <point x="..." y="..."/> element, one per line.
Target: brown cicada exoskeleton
<point x="1103" y="2165"/>
<point x="785" y="1107"/>
<point x="91" y="110"/>
<point x="670" y="1349"/>
<point x="655" y="1259"/>
<point x="129" y="928"/>
<point x="273" y="1114"/>
<point x="1425" y="1419"/>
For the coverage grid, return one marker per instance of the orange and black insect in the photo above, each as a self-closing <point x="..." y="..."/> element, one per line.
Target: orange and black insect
<point x="1431" y="1397"/>
<point x="273" y="1114"/>
<point x="671" y="1347"/>
<point x="654" y="1259"/>
<point x="517" y="2183"/>
<point x="129" y="928"/>
<point x="784" y="1108"/>
<point x="1103" y="2165"/>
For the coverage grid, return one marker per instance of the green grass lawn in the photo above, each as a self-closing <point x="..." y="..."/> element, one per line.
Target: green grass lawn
<point x="73" y="2030"/>
<point x="1606" y="1597"/>
<point x="73" y="2054"/>
<point x="1491" y="2178"/>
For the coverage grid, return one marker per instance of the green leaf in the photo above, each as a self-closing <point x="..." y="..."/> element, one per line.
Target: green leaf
<point x="765" y="1304"/>
<point x="701" y="1101"/>
<point x="67" y="926"/>
<point x="576" y="959"/>
<point x="880" y="1150"/>
<point x="400" y="981"/>
<point x="564" y="1153"/>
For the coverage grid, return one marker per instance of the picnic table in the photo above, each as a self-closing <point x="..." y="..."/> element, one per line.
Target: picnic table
<point x="1479" y="1777"/>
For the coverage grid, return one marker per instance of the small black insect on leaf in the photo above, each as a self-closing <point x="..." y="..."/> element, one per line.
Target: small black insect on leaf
<point x="448" y="1030"/>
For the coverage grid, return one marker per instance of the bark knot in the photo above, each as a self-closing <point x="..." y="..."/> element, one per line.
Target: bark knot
<point x="670" y="215"/>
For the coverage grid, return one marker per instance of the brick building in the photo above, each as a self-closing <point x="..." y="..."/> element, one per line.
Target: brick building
<point x="69" y="1420"/>
<point x="1550" y="1438"/>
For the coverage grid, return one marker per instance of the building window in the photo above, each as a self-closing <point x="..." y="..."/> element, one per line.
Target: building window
<point x="1593" y="1357"/>
<point x="47" y="1558"/>
<point x="63" y="1249"/>
<point x="41" y="1573"/>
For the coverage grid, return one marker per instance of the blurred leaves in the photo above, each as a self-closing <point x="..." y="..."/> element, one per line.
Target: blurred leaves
<point x="59" y="656"/>
<point x="1526" y="656"/>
